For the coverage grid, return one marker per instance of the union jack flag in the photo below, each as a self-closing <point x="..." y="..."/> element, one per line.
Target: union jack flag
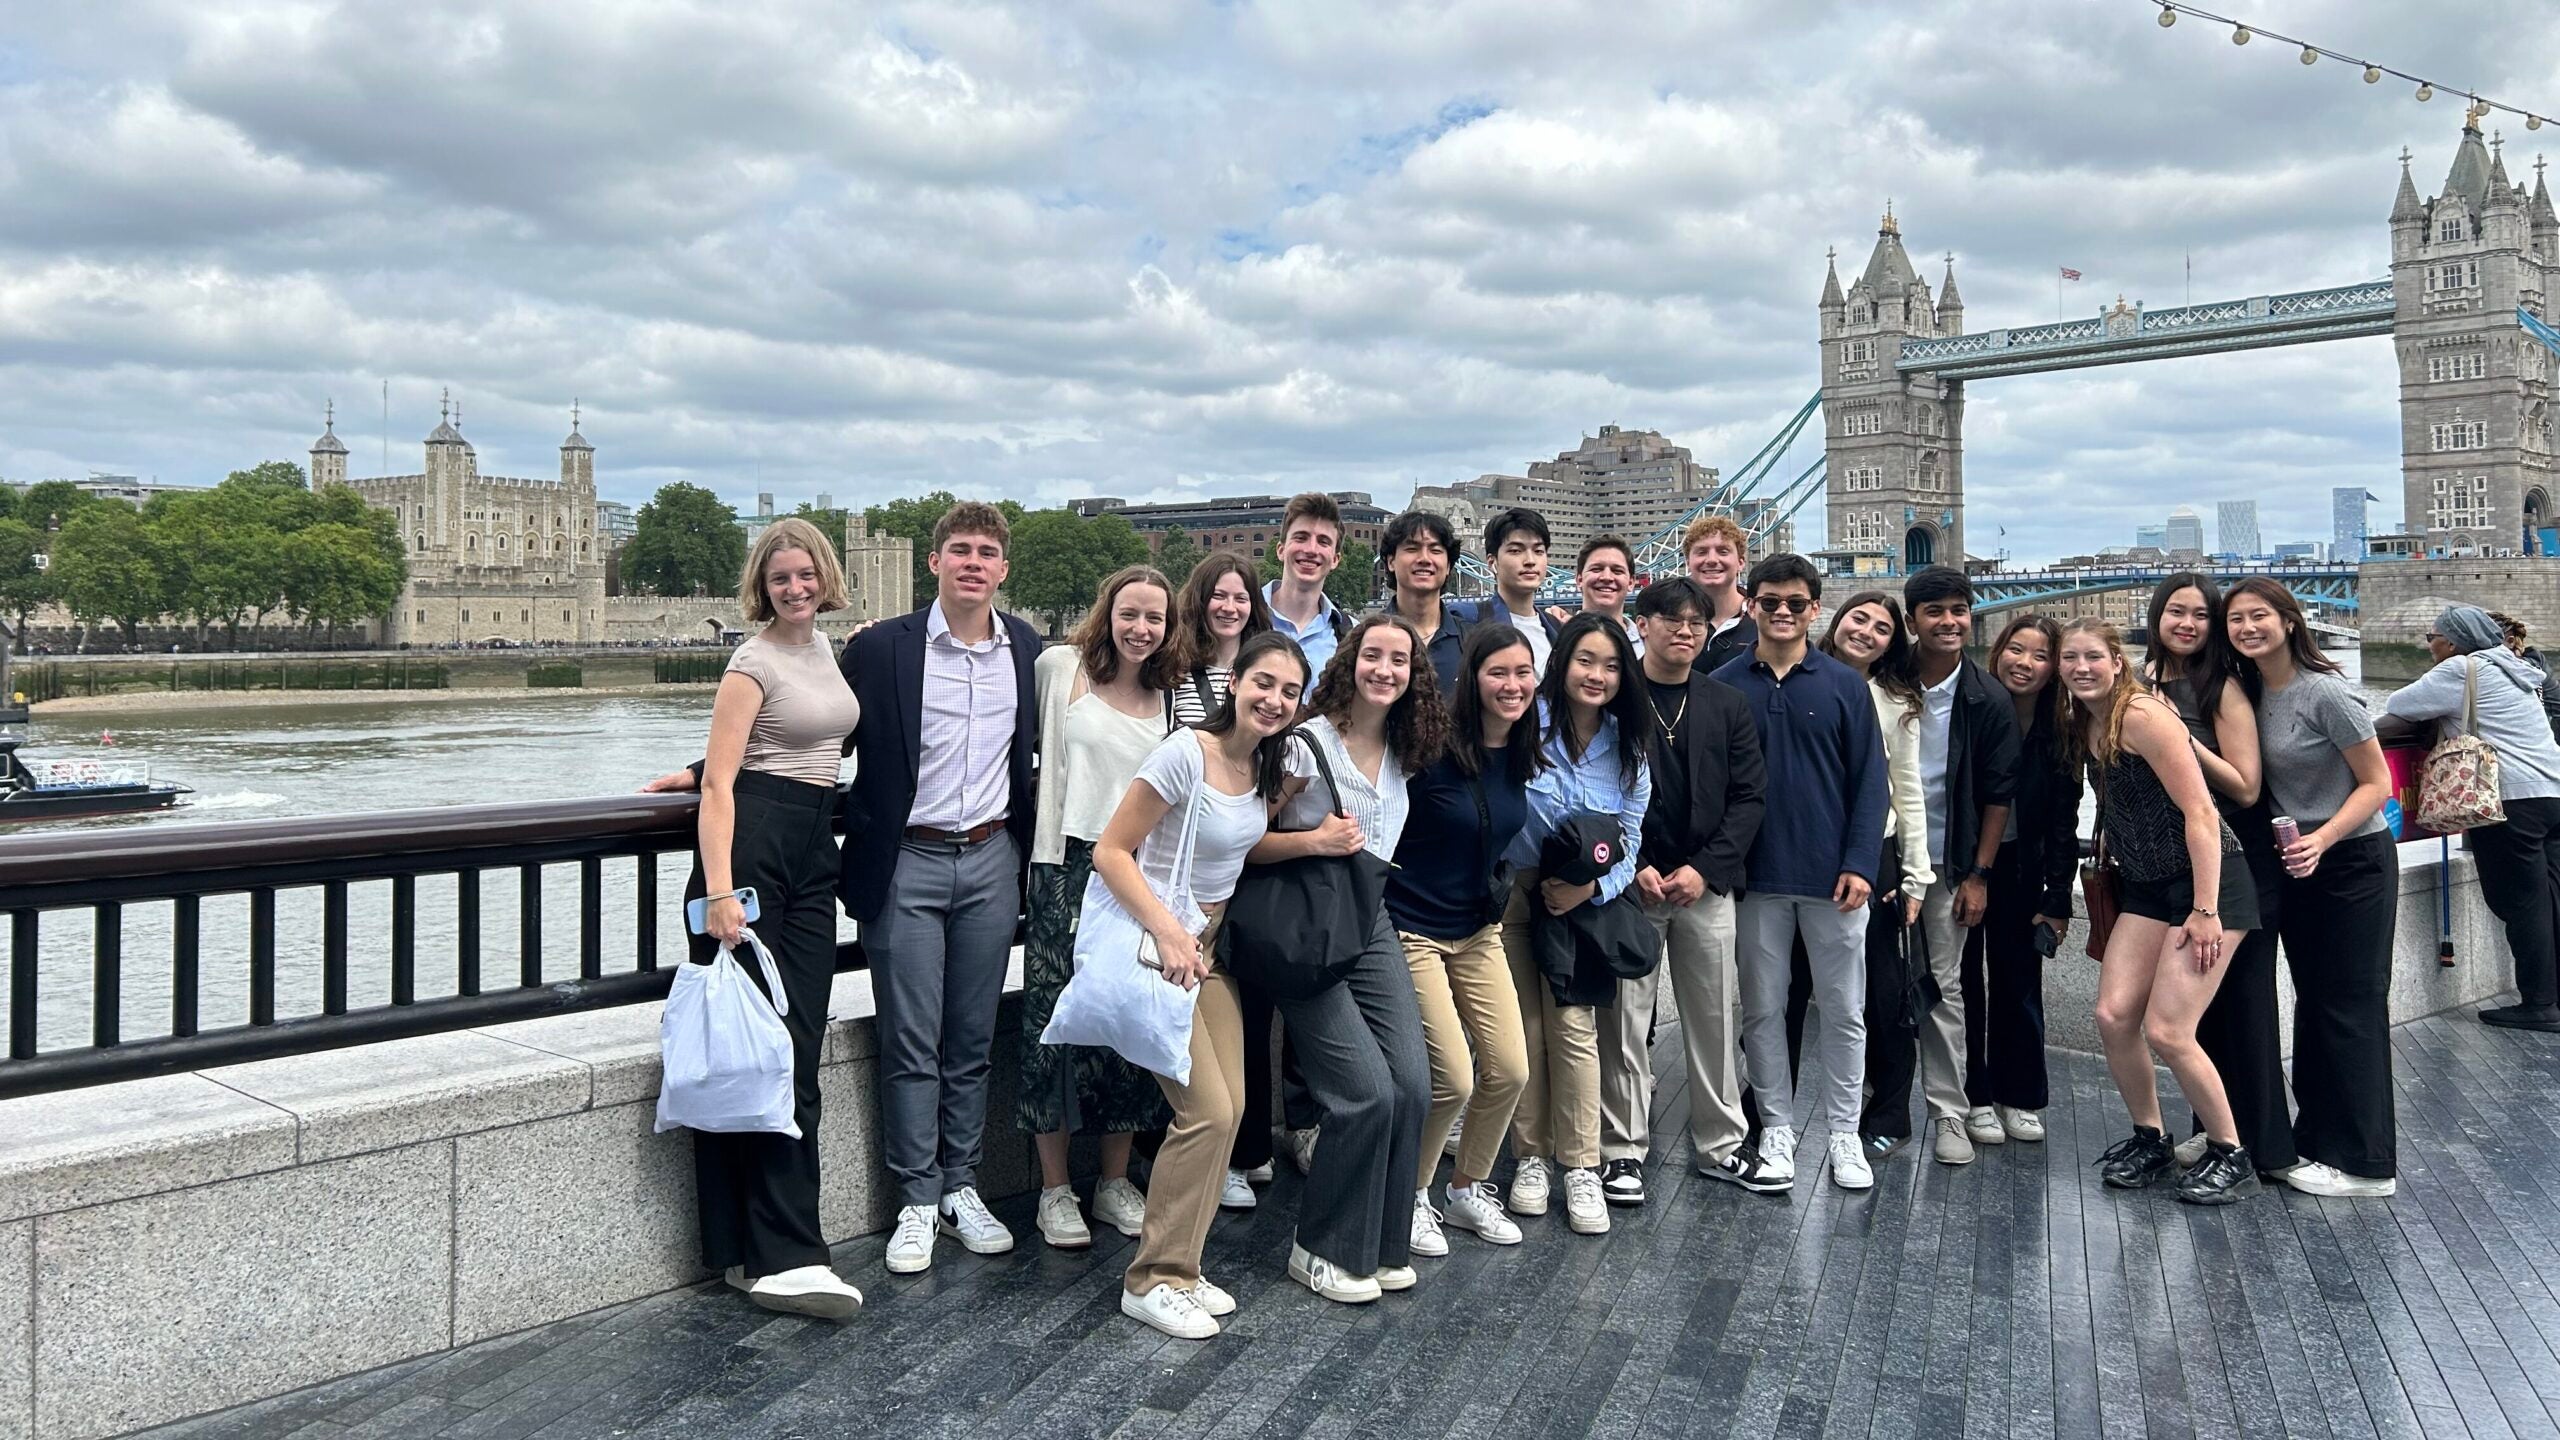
<point x="2070" y="274"/>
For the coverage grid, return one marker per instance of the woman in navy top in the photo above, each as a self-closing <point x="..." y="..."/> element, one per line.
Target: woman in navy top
<point x="1446" y="898"/>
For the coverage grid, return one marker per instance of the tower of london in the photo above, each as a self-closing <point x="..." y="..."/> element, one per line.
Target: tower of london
<point x="491" y="557"/>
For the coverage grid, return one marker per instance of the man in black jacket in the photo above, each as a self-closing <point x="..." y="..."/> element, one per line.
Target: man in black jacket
<point x="1968" y="776"/>
<point x="1714" y="549"/>
<point x="1707" y="803"/>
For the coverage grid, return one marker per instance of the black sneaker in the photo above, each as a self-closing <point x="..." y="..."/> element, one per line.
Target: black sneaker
<point x="2222" y="1176"/>
<point x="2137" y="1161"/>
<point x="1622" y="1182"/>
<point x="2522" y="1017"/>
<point x="1743" y="1168"/>
<point x="1881" y="1147"/>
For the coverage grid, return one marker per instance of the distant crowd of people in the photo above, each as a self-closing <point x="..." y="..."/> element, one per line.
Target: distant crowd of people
<point x="1849" y="848"/>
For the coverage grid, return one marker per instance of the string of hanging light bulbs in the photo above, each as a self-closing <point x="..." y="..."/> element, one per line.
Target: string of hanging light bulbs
<point x="2242" y="33"/>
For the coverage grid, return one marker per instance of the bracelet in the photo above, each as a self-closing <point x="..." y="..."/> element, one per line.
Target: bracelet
<point x="2206" y="911"/>
<point x="723" y="895"/>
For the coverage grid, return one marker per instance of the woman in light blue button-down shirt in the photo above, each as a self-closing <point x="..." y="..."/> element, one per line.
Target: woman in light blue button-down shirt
<point x="1592" y="714"/>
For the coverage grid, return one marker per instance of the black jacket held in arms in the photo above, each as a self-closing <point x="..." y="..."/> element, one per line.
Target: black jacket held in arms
<point x="1712" y="827"/>
<point x="2047" y="808"/>
<point x="1982" y="763"/>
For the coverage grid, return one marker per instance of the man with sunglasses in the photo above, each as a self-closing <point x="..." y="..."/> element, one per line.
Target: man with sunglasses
<point x="1812" y="865"/>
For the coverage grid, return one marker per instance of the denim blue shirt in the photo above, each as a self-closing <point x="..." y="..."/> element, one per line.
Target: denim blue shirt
<point x="1593" y="784"/>
<point x="1826" y="774"/>
<point x="1317" y="640"/>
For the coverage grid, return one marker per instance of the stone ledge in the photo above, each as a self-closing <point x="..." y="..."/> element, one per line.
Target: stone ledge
<point x="406" y="1092"/>
<point x="112" y="1142"/>
<point x="17" y="1330"/>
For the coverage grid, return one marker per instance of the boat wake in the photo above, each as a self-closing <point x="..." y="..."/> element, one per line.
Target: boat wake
<point x="235" y="800"/>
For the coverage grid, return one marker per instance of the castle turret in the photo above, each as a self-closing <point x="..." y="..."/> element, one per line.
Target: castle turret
<point x="1950" y="304"/>
<point x="328" y="453"/>
<point x="451" y="466"/>
<point x="1895" y="492"/>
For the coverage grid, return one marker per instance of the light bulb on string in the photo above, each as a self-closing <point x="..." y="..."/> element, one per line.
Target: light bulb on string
<point x="2240" y="35"/>
<point x="2533" y="122"/>
<point x="2426" y="91"/>
<point x="2310" y="56"/>
<point x="2168" y="17"/>
<point x="2373" y="74"/>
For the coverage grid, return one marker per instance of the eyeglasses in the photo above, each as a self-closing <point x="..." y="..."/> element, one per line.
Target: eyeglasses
<point x="2433" y="638"/>
<point x="1693" y="625"/>
<point x="1772" y="604"/>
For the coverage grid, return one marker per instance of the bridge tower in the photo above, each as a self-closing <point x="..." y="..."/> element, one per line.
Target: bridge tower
<point x="1893" y="494"/>
<point x="2475" y="390"/>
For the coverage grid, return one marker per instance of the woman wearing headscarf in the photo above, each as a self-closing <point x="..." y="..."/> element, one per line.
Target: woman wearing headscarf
<point x="2479" y="686"/>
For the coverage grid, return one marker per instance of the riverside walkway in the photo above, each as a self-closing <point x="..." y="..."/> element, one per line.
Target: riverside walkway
<point x="2014" y="1297"/>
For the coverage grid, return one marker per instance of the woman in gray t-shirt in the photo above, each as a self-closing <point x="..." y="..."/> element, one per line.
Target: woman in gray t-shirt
<point x="2324" y="770"/>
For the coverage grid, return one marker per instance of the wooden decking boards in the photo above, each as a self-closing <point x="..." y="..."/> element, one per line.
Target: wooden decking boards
<point x="2012" y="1297"/>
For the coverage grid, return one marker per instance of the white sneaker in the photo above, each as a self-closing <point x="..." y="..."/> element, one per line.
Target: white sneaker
<point x="1778" y="1152"/>
<point x="1326" y="1278"/>
<point x="2189" y="1150"/>
<point x="1529" y="1186"/>
<point x="1061" y="1223"/>
<point x="1982" y="1126"/>
<point x="1849" y="1168"/>
<point x="2313" y="1178"/>
<point x="809" y="1290"/>
<point x="911" y="1244"/>
<point x="1397" y="1277"/>
<point x="1301" y="1145"/>
<point x="1457" y="1132"/>
<point x="1428" y="1242"/>
<point x="1260" y="1174"/>
<point x="965" y="1218"/>
<point x="1120" y="1205"/>
<point x="1217" y="1302"/>
<point x="1175" y="1312"/>
<point x="2027" y="1125"/>
<point x="1586" y="1210"/>
<point x="1237" y="1193"/>
<point x="1479" y="1208"/>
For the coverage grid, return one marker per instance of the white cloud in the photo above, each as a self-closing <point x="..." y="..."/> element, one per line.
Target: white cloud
<point x="1141" y="249"/>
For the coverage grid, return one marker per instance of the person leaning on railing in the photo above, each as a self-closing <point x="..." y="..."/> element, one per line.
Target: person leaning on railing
<point x="2477" y="675"/>
<point x="778" y="728"/>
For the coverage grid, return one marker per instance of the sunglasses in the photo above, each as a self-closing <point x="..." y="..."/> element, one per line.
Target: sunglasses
<point x="1772" y="604"/>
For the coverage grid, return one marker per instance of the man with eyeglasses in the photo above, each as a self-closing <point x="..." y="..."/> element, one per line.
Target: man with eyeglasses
<point x="1707" y="802"/>
<point x="1812" y="865"/>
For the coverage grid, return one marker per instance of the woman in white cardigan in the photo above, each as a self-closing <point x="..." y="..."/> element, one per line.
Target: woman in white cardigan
<point x="1868" y="635"/>
<point x="1106" y="700"/>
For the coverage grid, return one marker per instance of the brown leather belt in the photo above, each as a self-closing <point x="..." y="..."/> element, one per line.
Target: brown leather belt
<point x="959" y="839"/>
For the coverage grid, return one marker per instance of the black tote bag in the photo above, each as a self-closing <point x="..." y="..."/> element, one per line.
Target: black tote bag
<point x="1295" y="928"/>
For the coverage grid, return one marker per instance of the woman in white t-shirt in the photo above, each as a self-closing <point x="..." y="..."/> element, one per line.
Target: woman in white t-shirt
<point x="1216" y="784"/>
<point x="1360" y="1043"/>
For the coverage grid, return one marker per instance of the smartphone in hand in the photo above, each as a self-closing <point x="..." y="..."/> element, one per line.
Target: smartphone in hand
<point x="697" y="911"/>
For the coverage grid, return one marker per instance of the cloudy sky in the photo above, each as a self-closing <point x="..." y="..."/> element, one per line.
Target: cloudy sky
<point x="1164" y="250"/>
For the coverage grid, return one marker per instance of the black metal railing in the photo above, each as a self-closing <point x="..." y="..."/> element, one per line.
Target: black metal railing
<point x="100" y="875"/>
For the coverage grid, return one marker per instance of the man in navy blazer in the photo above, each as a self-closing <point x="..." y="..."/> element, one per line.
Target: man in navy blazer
<point x="937" y="839"/>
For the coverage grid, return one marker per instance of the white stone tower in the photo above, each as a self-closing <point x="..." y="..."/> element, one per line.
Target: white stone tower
<point x="1894" y="492"/>
<point x="879" y="570"/>
<point x="328" y="453"/>
<point x="2475" y="389"/>
<point x="451" y="467"/>
<point x="578" y="479"/>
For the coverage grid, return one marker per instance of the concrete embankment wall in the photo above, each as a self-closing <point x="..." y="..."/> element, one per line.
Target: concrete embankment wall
<point x="176" y="1245"/>
<point x="180" y="1244"/>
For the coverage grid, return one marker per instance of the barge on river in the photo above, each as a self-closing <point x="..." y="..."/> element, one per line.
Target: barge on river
<point x="64" y="789"/>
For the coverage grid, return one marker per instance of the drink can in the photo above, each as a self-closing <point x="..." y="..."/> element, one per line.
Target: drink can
<point x="2286" y="833"/>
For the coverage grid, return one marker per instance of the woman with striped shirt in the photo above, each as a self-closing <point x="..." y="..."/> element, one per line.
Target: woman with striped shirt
<point x="1220" y="608"/>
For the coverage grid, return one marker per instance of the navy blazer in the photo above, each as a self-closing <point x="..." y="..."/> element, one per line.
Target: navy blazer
<point x="885" y="666"/>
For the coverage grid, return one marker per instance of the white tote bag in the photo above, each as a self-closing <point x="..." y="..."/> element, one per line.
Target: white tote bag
<point x="726" y="1052"/>
<point x="1119" y="1000"/>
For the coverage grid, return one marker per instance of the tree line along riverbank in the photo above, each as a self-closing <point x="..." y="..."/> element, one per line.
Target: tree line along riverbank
<point x="184" y="681"/>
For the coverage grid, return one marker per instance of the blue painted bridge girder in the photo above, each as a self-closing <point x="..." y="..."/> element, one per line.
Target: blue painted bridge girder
<point x="2128" y="333"/>
<point x="2332" y="584"/>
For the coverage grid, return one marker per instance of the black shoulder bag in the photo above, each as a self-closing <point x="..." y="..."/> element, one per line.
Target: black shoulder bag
<point x="1497" y="873"/>
<point x="1294" y="929"/>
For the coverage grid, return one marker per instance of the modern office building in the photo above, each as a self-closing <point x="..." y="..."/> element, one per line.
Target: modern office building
<point x="2349" y="526"/>
<point x="2236" y="528"/>
<point x="2151" y="537"/>
<point x="2185" y="532"/>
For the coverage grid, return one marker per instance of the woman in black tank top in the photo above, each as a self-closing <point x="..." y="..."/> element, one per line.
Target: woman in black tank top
<point x="2172" y="852"/>
<point x="2190" y="664"/>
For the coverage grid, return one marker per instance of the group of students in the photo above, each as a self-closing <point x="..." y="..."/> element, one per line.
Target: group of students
<point x="1868" y="834"/>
